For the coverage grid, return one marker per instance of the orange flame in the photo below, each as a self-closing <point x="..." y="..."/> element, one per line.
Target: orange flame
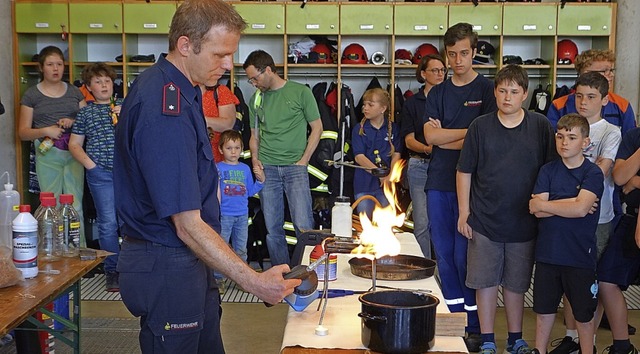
<point x="377" y="238"/>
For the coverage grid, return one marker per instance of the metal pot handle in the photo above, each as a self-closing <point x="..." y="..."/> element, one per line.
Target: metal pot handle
<point x="367" y="316"/>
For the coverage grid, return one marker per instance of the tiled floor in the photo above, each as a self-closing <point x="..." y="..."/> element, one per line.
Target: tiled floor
<point x="247" y="327"/>
<point x="254" y="328"/>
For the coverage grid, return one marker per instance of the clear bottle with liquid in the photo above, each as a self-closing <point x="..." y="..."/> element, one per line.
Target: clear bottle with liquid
<point x="43" y="195"/>
<point x="50" y="231"/>
<point x="70" y="225"/>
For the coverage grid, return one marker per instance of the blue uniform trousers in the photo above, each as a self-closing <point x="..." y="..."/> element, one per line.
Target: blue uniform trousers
<point x="174" y="294"/>
<point x="451" y="256"/>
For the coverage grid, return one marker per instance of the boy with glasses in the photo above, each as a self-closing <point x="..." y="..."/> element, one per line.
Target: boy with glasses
<point x="617" y="111"/>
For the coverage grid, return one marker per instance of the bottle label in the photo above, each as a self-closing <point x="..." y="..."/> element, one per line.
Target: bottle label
<point x="25" y="249"/>
<point x="71" y="235"/>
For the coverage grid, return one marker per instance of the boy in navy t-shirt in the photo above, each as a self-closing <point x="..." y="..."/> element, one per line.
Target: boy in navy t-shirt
<point x="450" y="107"/>
<point x="563" y="199"/>
<point x="499" y="163"/>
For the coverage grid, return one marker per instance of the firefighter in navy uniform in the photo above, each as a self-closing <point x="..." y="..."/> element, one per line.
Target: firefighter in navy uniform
<point x="166" y="191"/>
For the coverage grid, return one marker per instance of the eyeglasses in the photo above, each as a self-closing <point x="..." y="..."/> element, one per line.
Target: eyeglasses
<point x="252" y="80"/>
<point x="437" y="71"/>
<point x="611" y="71"/>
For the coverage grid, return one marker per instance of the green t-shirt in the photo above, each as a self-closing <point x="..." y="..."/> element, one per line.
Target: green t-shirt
<point x="284" y="116"/>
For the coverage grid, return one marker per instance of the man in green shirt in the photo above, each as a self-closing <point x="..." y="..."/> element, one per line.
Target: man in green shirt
<point x="280" y="111"/>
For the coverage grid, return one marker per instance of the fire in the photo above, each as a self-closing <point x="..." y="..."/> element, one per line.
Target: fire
<point x="377" y="238"/>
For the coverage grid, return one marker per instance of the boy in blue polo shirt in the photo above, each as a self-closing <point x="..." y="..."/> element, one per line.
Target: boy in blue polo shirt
<point x="563" y="199"/>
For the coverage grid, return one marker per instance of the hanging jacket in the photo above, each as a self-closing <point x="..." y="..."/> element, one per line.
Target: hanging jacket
<point x="318" y="169"/>
<point x="374" y="83"/>
<point x="242" y="113"/>
<point x="349" y="120"/>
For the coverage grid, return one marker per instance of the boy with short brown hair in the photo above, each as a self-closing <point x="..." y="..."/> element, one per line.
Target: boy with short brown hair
<point x="563" y="199"/>
<point x="494" y="183"/>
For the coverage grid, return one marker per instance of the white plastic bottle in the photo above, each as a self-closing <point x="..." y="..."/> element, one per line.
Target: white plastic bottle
<point x="25" y="242"/>
<point x="71" y="226"/>
<point x="341" y="222"/>
<point x="9" y="209"/>
<point x="50" y="231"/>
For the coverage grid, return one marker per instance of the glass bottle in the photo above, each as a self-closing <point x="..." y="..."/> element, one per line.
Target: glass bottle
<point x="378" y="160"/>
<point x="39" y="210"/>
<point x="50" y="231"/>
<point x="70" y="226"/>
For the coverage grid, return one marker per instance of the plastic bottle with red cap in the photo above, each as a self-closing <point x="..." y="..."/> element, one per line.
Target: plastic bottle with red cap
<point x="43" y="195"/>
<point x="70" y="226"/>
<point x="25" y="242"/>
<point x="50" y="230"/>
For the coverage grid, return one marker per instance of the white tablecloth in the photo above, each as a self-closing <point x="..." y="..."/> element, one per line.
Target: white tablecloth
<point x="341" y="317"/>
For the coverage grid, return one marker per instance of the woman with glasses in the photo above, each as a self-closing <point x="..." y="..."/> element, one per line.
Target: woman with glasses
<point x="430" y="72"/>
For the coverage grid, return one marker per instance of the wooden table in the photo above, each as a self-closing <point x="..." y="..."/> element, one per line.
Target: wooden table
<point x="19" y="302"/>
<point x="341" y="317"/>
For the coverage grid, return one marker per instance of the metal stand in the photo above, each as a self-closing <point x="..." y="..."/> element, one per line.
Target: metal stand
<point x="344" y="120"/>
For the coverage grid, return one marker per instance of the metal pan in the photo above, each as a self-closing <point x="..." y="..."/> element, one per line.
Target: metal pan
<point x="400" y="267"/>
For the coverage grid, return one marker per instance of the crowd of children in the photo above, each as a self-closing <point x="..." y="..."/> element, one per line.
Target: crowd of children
<point x="532" y="190"/>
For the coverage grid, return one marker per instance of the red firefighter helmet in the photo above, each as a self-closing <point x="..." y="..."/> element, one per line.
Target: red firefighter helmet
<point x="403" y="56"/>
<point x="567" y="51"/>
<point x="354" y="53"/>
<point x="423" y="50"/>
<point x="324" y="53"/>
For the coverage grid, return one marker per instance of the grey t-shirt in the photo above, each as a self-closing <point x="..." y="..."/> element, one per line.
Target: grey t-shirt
<point x="48" y="110"/>
<point x="605" y="140"/>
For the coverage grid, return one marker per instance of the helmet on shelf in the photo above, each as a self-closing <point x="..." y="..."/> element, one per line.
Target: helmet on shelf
<point x="354" y="53"/>
<point x="484" y="53"/>
<point x="567" y="51"/>
<point x="403" y="56"/>
<point x="423" y="50"/>
<point x="324" y="53"/>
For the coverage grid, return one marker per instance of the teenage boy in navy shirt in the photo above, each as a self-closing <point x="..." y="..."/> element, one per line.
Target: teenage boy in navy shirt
<point x="497" y="170"/>
<point x="620" y="263"/>
<point x="451" y="106"/>
<point x="563" y="199"/>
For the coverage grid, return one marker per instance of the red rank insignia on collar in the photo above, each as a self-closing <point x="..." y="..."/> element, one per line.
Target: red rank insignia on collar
<point x="171" y="100"/>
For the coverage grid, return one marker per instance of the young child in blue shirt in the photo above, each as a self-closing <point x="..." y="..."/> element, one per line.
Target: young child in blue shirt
<point x="375" y="133"/>
<point x="95" y="125"/>
<point x="236" y="186"/>
<point x="563" y="200"/>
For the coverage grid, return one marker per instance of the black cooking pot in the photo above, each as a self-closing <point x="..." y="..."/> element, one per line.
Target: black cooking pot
<point x="398" y="321"/>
